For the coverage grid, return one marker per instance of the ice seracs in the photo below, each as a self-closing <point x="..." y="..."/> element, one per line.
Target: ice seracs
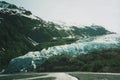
<point x="34" y="58"/>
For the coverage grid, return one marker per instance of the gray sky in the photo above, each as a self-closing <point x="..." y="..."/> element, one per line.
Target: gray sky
<point x="82" y="12"/>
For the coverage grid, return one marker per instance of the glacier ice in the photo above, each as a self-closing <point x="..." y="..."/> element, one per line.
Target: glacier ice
<point x="29" y="61"/>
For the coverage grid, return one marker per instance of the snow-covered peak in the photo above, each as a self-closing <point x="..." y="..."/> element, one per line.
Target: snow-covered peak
<point x="63" y="26"/>
<point x="11" y="9"/>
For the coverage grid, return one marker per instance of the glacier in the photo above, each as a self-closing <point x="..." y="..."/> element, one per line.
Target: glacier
<point x="32" y="59"/>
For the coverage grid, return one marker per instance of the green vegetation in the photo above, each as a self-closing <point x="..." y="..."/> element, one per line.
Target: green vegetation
<point x="59" y="41"/>
<point x="98" y="61"/>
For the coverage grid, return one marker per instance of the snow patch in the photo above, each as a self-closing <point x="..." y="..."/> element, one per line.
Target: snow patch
<point x="33" y="42"/>
<point x="31" y="17"/>
<point x="34" y="28"/>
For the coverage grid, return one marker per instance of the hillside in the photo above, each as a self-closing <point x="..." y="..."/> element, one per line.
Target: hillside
<point x="22" y="32"/>
<point x="33" y="59"/>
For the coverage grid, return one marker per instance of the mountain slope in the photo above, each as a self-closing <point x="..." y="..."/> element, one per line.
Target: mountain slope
<point x="31" y="60"/>
<point x="22" y="32"/>
<point x="40" y="30"/>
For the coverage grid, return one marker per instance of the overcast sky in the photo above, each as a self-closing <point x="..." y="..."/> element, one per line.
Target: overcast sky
<point x="82" y="12"/>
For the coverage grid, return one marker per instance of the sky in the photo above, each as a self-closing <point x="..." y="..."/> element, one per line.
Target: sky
<point x="76" y="12"/>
